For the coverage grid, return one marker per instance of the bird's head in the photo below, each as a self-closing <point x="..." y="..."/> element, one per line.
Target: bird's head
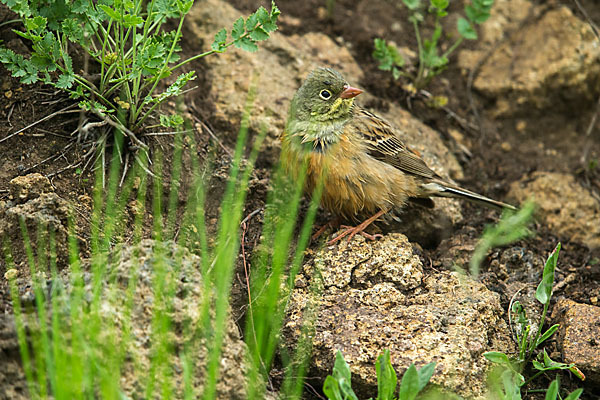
<point x="325" y="96"/>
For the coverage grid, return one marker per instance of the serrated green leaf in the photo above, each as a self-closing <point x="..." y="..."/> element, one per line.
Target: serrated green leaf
<point x="112" y="14"/>
<point x="269" y="26"/>
<point x="246" y="44"/>
<point x="36" y="24"/>
<point x="262" y="15"/>
<point x="544" y="289"/>
<point x="552" y="392"/>
<point x="220" y="40"/>
<point x="259" y="34"/>
<point x="275" y="12"/>
<point x="238" y="28"/>
<point x="65" y="81"/>
<point x="184" y="6"/>
<point x="170" y="121"/>
<point x="251" y="21"/>
<point x="409" y="386"/>
<point x="129" y="21"/>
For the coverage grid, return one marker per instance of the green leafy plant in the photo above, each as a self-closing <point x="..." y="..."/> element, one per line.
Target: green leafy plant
<point x="130" y="51"/>
<point x="431" y="63"/>
<point x="338" y="386"/>
<point x="529" y="342"/>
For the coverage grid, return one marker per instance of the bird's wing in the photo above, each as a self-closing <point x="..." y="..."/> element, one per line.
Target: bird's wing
<point x="383" y="144"/>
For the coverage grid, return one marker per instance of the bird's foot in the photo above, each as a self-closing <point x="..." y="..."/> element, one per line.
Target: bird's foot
<point x="351" y="231"/>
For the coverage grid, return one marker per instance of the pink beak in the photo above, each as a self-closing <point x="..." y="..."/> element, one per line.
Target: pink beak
<point x="350" y="92"/>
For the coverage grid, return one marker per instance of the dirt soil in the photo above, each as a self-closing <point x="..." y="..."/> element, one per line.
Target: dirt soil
<point x="499" y="152"/>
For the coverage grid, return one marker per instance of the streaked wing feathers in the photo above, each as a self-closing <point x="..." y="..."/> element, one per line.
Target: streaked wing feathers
<point x="384" y="145"/>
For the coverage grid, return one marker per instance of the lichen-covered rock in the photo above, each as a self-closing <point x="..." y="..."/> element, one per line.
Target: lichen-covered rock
<point x="182" y="269"/>
<point x="44" y="215"/>
<point x="129" y="318"/>
<point x="375" y="296"/>
<point x="551" y="62"/>
<point x="28" y="187"/>
<point x="579" y="336"/>
<point x="565" y="206"/>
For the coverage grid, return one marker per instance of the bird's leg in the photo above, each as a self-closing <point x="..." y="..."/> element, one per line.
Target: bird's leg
<point x="353" y="230"/>
<point x="330" y="224"/>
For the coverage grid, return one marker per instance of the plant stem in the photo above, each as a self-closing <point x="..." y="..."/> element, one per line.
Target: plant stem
<point x="453" y="47"/>
<point x="162" y="70"/>
<point x="420" y="49"/>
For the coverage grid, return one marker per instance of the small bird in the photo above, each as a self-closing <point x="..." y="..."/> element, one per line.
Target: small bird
<point x="366" y="166"/>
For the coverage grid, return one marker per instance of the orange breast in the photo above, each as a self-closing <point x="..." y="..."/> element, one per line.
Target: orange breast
<point x="355" y="184"/>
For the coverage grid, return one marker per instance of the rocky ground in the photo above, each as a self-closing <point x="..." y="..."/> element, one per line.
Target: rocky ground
<point x="518" y="125"/>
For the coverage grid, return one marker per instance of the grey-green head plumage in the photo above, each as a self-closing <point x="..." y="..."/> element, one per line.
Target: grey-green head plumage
<point x="319" y="109"/>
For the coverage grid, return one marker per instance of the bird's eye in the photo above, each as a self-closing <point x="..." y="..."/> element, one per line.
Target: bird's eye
<point x="325" y="94"/>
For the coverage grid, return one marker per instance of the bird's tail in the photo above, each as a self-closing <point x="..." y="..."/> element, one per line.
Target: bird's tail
<point x="444" y="189"/>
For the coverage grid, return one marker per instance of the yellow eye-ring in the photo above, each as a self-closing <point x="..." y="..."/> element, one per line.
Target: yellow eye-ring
<point x="325" y="94"/>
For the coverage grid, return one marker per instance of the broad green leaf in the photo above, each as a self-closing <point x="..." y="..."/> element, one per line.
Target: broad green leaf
<point x="440" y="4"/>
<point x="574" y="395"/>
<point x="497" y="357"/>
<point x="465" y="29"/>
<point x="512" y="385"/>
<point x="331" y="389"/>
<point x="409" y="386"/>
<point x="425" y="374"/>
<point x="386" y="377"/>
<point x="552" y="392"/>
<point x="544" y="289"/>
<point x="547" y="334"/>
<point x="412" y="4"/>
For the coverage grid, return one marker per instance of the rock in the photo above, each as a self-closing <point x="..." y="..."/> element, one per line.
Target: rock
<point x="281" y="64"/>
<point x="375" y="296"/>
<point x="579" y="336"/>
<point x="565" y="206"/>
<point x="188" y="300"/>
<point x="29" y="187"/>
<point x="551" y="62"/>
<point x="47" y="211"/>
<point x="13" y="385"/>
<point x="137" y="322"/>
